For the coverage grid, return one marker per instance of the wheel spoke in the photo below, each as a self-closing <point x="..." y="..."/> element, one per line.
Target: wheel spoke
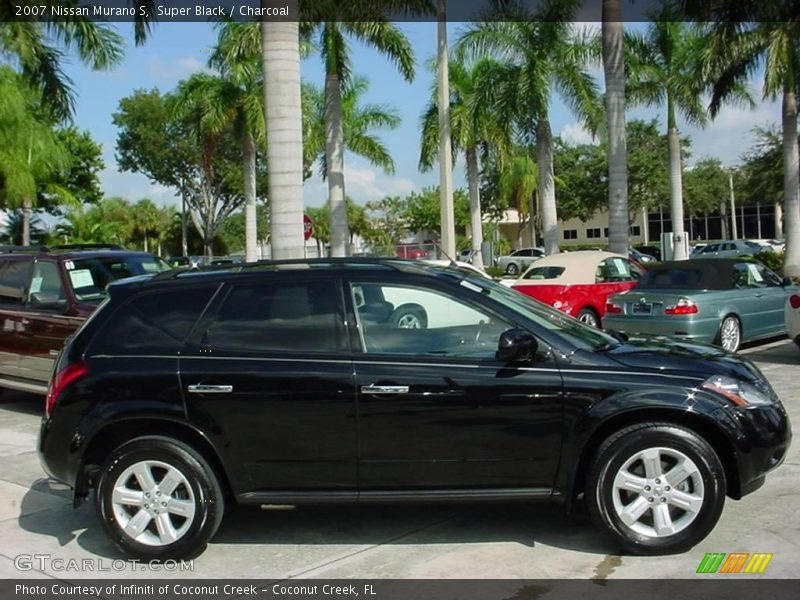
<point x="144" y="476"/>
<point x="171" y="481"/>
<point x="634" y="511"/>
<point x="679" y="473"/>
<point x="628" y="481"/>
<point x="128" y="497"/>
<point x="137" y="524"/>
<point x="662" y="520"/>
<point x="166" y="531"/>
<point x="652" y="463"/>
<point x="688" y="502"/>
<point x="182" y="508"/>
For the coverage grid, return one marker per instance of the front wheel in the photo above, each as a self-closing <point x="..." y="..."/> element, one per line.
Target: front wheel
<point x="656" y="488"/>
<point x="512" y="269"/>
<point x="588" y="316"/>
<point x="409" y="316"/>
<point x="159" y="499"/>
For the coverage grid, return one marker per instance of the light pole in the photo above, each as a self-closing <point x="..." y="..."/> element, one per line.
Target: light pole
<point x="735" y="235"/>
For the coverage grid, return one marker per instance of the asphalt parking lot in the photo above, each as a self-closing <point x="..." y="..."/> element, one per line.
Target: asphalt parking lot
<point x="529" y="541"/>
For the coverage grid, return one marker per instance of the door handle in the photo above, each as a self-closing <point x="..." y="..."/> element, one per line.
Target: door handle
<point x="376" y="390"/>
<point x="202" y="388"/>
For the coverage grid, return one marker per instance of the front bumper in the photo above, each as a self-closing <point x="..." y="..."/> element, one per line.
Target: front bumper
<point x="761" y="437"/>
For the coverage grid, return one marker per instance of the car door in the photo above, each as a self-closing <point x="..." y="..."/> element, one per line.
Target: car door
<point x="772" y="296"/>
<point x="44" y="324"/>
<point x="437" y="412"/>
<point x="14" y="277"/>
<point x="268" y="368"/>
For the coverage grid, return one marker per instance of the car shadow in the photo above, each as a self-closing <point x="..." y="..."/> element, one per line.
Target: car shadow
<point x="370" y="525"/>
<point x="22" y="402"/>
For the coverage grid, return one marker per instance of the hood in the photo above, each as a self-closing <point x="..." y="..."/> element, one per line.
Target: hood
<point x="659" y="353"/>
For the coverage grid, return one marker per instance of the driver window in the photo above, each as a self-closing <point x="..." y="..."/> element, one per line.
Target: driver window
<point x="46" y="285"/>
<point x="414" y="320"/>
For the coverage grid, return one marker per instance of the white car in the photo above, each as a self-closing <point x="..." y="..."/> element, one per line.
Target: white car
<point x="519" y="260"/>
<point x="459" y="265"/>
<point x="792" y="314"/>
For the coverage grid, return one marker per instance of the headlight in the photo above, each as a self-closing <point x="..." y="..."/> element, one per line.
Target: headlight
<point x="738" y="392"/>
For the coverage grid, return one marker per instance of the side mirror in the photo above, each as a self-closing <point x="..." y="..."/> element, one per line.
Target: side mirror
<point x="786" y="282"/>
<point x="47" y="301"/>
<point x="516" y="345"/>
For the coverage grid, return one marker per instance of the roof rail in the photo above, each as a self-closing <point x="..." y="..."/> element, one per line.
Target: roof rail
<point x="86" y="247"/>
<point x="11" y="249"/>
<point x="398" y="264"/>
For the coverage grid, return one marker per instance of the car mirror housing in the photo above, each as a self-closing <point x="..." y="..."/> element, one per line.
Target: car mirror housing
<point x="786" y="282"/>
<point x="516" y="345"/>
<point x="47" y="300"/>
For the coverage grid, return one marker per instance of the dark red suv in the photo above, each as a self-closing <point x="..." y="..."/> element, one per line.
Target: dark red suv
<point x="46" y="294"/>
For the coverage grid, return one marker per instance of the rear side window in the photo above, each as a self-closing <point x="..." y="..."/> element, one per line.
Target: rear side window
<point x="278" y="317"/>
<point x="15" y="275"/>
<point x="544" y="272"/>
<point x="155" y="323"/>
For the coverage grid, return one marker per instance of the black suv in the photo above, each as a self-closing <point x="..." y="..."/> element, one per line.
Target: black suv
<point x="291" y="383"/>
<point x="46" y="294"/>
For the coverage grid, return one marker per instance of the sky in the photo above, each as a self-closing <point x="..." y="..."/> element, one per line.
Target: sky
<point x="176" y="50"/>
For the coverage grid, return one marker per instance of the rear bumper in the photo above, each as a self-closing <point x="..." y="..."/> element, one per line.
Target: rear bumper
<point x="697" y="330"/>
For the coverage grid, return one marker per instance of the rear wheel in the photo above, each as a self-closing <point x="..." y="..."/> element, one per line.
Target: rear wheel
<point x="656" y="488"/>
<point x="159" y="499"/>
<point x="588" y="316"/>
<point x="409" y="316"/>
<point x="729" y="335"/>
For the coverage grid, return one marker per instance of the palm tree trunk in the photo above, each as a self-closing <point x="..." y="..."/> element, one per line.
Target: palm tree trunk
<point x="26" y="222"/>
<point x="448" y="227"/>
<point x="476" y="220"/>
<point x="334" y="156"/>
<point x="280" y="47"/>
<point x="547" y="188"/>
<point x="250" y="231"/>
<point x="675" y="185"/>
<point x="778" y="221"/>
<point x="614" y="69"/>
<point x="791" y="183"/>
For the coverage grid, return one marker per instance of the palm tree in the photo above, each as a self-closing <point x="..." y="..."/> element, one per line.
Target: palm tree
<point x="614" y="70"/>
<point x="235" y="99"/>
<point x="280" y="55"/>
<point x="146" y="219"/>
<point x="518" y="185"/>
<point x="540" y="53"/>
<point x="665" y="70"/>
<point x="473" y="124"/>
<point x="358" y="121"/>
<point x="744" y="36"/>
<point x="38" y="46"/>
<point x="333" y="43"/>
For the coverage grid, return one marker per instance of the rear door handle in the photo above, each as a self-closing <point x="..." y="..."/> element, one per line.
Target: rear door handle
<point x="377" y="390"/>
<point x="203" y="388"/>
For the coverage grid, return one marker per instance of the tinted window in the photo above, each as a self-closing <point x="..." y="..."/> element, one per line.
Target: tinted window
<point x="710" y="248"/>
<point x="613" y="270"/>
<point x="156" y="323"/>
<point x="279" y="317"/>
<point x="46" y="285"/>
<point x="544" y="272"/>
<point x="90" y="276"/>
<point x="14" y="278"/>
<point x="420" y="321"/>
<point x="672" y="279"/>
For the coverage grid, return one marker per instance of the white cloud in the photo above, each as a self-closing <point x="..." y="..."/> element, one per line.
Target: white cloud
<point x="133" y="186"/>
<point x="575" y="134"/>
<point x="362" y="184"/>
<point x="181" y="67"/>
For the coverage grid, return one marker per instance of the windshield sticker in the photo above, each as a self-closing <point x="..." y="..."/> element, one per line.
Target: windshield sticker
<point x="81" y="278"/>
<point x="36" y="284"/>
<point x="471" y="286"/>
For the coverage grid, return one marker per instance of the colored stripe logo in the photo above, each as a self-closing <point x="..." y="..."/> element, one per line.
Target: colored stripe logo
<point x="734" y="563"/>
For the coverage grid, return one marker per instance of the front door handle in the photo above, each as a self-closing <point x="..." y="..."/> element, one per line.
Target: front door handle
<point x="203" y="388"/>
<point x="376" y="390"/>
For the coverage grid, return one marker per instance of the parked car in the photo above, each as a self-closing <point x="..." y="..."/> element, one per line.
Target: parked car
<point x="466" y="268"/>
<point x="792" y="317"/>
<point x="731" y="248"/>
<point x="654" y="251"/>
<point x="775" y="245"/>
<point x="466" y="256"/>
<point x="191" y="390"/>
<point x="578" y="283"/>
<point x="193" y="262"/>
<point x="640" y="257"/>
<point x="725" y="301"/>
<point x="45" y="294"/>
<point x="519" y="260"/>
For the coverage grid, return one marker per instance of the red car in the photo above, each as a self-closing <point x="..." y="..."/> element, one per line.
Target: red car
<point x="578" y="283"/>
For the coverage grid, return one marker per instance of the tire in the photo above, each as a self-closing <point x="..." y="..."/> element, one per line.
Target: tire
<point x="198" y="504"/>
<point x="409" y="316"/>
<point x="729" y="335"/>
<point x="512" y="269"/>
<point x="589" y="317"/>
<point x="631" y="513"/>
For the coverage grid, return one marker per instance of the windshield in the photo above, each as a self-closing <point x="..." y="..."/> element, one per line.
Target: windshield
<point x="576" y="333"/>
<point x="90" y="276"/>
